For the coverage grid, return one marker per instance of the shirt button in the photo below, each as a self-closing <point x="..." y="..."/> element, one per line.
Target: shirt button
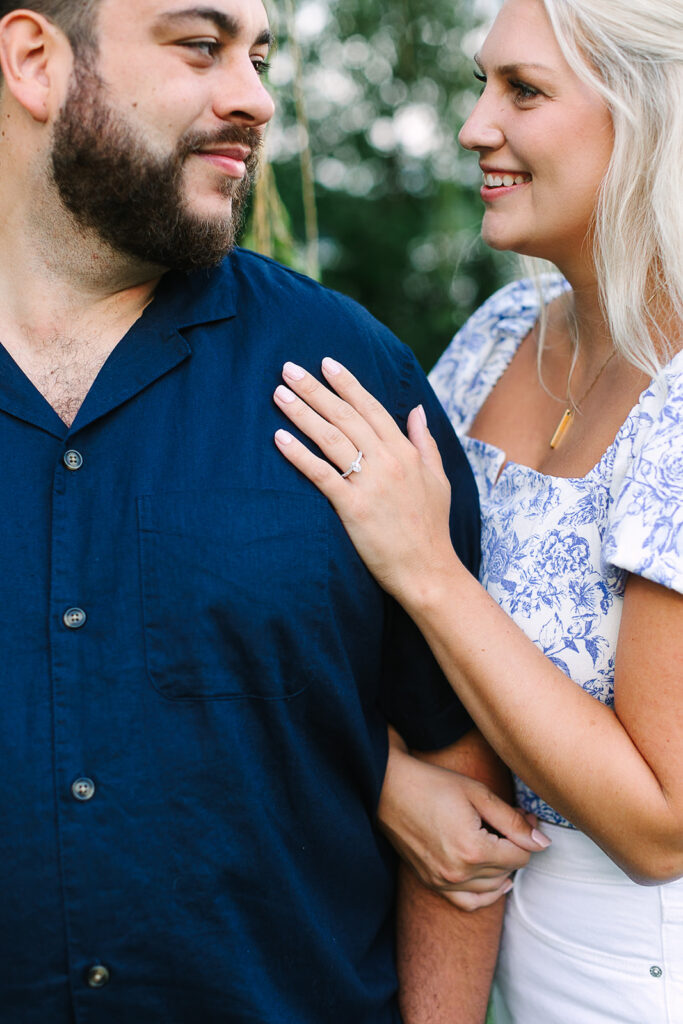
<point x="74" y="618"/>
<point x="97" y="976"/>
<point x="73" y="459"/>
<point x="83" y="789"/>
<point x="656" y="972"/>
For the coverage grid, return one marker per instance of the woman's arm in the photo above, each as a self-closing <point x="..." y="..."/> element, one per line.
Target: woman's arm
<point x="615" y="774"/>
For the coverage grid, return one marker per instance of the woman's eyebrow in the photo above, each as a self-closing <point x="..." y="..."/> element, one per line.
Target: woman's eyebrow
<point x="514" y="68"/>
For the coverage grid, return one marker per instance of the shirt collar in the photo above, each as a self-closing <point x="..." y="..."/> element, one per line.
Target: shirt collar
<point x="153" y="346"/>
<point x="187" y="299"/>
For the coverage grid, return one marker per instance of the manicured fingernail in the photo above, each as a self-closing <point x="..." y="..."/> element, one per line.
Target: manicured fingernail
<point x="283" y="436"/>
<point x="506" y="888"/>
<point x="293" y="371"/>
<point x="540" y="839"/>
<point x="330" y="366"/>
<point x="423" y="415"/>
<point x="284" y="394"/>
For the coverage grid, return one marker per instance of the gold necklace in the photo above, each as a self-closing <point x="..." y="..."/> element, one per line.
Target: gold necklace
<point x="568" y="415"/>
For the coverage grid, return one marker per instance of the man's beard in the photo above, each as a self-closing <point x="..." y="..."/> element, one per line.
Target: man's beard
<point x="133" y="199"/>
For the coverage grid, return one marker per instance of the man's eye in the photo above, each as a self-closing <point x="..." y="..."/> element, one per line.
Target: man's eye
<point x="207" y="47"/>
<point x="260" y="65"/>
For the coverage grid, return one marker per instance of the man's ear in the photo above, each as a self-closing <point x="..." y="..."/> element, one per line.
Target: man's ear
<point x="35" y="58"/>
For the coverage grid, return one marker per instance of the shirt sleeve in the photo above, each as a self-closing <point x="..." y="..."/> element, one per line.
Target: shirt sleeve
<point x="415" y="696"/>
<point x="645" y="529"/>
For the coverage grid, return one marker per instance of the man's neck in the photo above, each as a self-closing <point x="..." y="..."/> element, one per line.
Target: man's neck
<point x="66" y="300"/>
<point x="51" y="277"/>
<point x="36" y="307"/>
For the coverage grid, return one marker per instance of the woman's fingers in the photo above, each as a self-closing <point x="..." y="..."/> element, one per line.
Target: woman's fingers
<point x="343" y="426"/>
<point x="470" y="901"/>
<point x="420" y="436"/>
<point x="338" y="429"/>
<point x="389" y="496"/>
<point x="319" y="471"/>
<point x="331" y="410"/>
<point x="510" y="822"/>
<point x="352" y="391"/>
<point x="352" y="408"/>
<point x="487" y="880"/>
<point x="331" y="441"/>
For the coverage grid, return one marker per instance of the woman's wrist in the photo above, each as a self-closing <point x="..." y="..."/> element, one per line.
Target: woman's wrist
<point x="433" y="586"/>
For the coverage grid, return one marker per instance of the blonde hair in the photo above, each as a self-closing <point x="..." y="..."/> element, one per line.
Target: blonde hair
<point x="631" y="53"/>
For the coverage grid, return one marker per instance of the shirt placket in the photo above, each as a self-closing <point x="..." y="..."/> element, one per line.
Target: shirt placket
<point x="72" y="605"/>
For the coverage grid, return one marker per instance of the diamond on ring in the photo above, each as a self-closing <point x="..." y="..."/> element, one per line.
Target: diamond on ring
<point x="355" y="466"/>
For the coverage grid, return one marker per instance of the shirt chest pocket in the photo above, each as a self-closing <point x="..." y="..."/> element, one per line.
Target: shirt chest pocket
<point x="234" y="592"/>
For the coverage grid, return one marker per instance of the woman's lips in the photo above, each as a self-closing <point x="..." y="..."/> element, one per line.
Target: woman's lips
<point x="500" y="182"/>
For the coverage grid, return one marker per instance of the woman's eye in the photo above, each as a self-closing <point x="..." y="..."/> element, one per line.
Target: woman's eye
<point x="524" y="91"/>
<point x="260" y="65"/>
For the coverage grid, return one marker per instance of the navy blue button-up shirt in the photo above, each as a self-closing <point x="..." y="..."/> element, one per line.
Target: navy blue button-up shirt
<point x="196" y="674"/>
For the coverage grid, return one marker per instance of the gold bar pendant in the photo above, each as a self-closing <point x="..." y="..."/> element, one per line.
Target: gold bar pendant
<point x="562" y="427"/>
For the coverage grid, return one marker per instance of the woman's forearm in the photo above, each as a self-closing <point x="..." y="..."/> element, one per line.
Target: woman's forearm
<point x="567" y="746"/>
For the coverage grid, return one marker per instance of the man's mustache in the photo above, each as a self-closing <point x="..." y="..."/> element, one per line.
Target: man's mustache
<point x="240" y="135"/>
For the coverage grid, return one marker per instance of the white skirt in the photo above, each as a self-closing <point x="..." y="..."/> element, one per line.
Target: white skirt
<point x="583" y="944"/>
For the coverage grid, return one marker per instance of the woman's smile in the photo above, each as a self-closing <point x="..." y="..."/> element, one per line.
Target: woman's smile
<point x="499" y="182"/>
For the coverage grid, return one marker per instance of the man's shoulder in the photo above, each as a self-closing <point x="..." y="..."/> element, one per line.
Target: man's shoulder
<point x="299" y="294"/>
<point x="266" y="269"/>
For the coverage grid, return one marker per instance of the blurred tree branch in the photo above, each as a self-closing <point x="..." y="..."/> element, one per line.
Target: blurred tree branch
<point x="364" y="147"/>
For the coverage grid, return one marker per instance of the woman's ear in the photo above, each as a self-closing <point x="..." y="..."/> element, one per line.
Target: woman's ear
<point x="35" y="58"/>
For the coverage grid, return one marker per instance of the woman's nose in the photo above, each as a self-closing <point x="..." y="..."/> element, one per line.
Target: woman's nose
<point x="482" y="130"/>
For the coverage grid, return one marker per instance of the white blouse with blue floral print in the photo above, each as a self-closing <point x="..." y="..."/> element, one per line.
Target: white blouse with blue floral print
<point x="556" y="551"/>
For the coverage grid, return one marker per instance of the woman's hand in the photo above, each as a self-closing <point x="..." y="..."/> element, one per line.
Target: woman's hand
<point x="435" y="818"/>
<point x="395" y="505"/>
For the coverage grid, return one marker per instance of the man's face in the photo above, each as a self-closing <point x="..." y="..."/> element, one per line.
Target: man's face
<point x="156" y="144"/>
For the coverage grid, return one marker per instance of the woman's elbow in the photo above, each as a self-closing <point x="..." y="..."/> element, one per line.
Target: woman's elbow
<point x="655" y="863"/>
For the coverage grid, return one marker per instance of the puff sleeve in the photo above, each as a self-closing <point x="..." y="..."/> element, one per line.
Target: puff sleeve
<point x="645" y="530"/>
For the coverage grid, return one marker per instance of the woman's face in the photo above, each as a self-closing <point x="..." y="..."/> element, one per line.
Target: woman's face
<point x="544" y="138"/>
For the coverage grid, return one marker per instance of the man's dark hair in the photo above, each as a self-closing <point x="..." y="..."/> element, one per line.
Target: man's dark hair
<point x="76" y="19"/>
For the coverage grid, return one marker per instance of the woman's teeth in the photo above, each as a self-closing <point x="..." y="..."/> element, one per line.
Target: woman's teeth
<point x="506" y="180"/>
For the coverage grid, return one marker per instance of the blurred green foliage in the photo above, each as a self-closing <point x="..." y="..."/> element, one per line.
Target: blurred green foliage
<point x="386" y="88"/>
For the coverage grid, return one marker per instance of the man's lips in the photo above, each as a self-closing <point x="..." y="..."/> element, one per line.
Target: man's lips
<point x="231" y="160"/>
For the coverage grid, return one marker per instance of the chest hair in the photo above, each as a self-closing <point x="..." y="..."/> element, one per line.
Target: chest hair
<point x="64" y="369"/>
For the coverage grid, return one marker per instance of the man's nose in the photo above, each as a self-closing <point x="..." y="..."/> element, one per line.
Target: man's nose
<point x="241" y="96"/>
<point x="482" y="129"/>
